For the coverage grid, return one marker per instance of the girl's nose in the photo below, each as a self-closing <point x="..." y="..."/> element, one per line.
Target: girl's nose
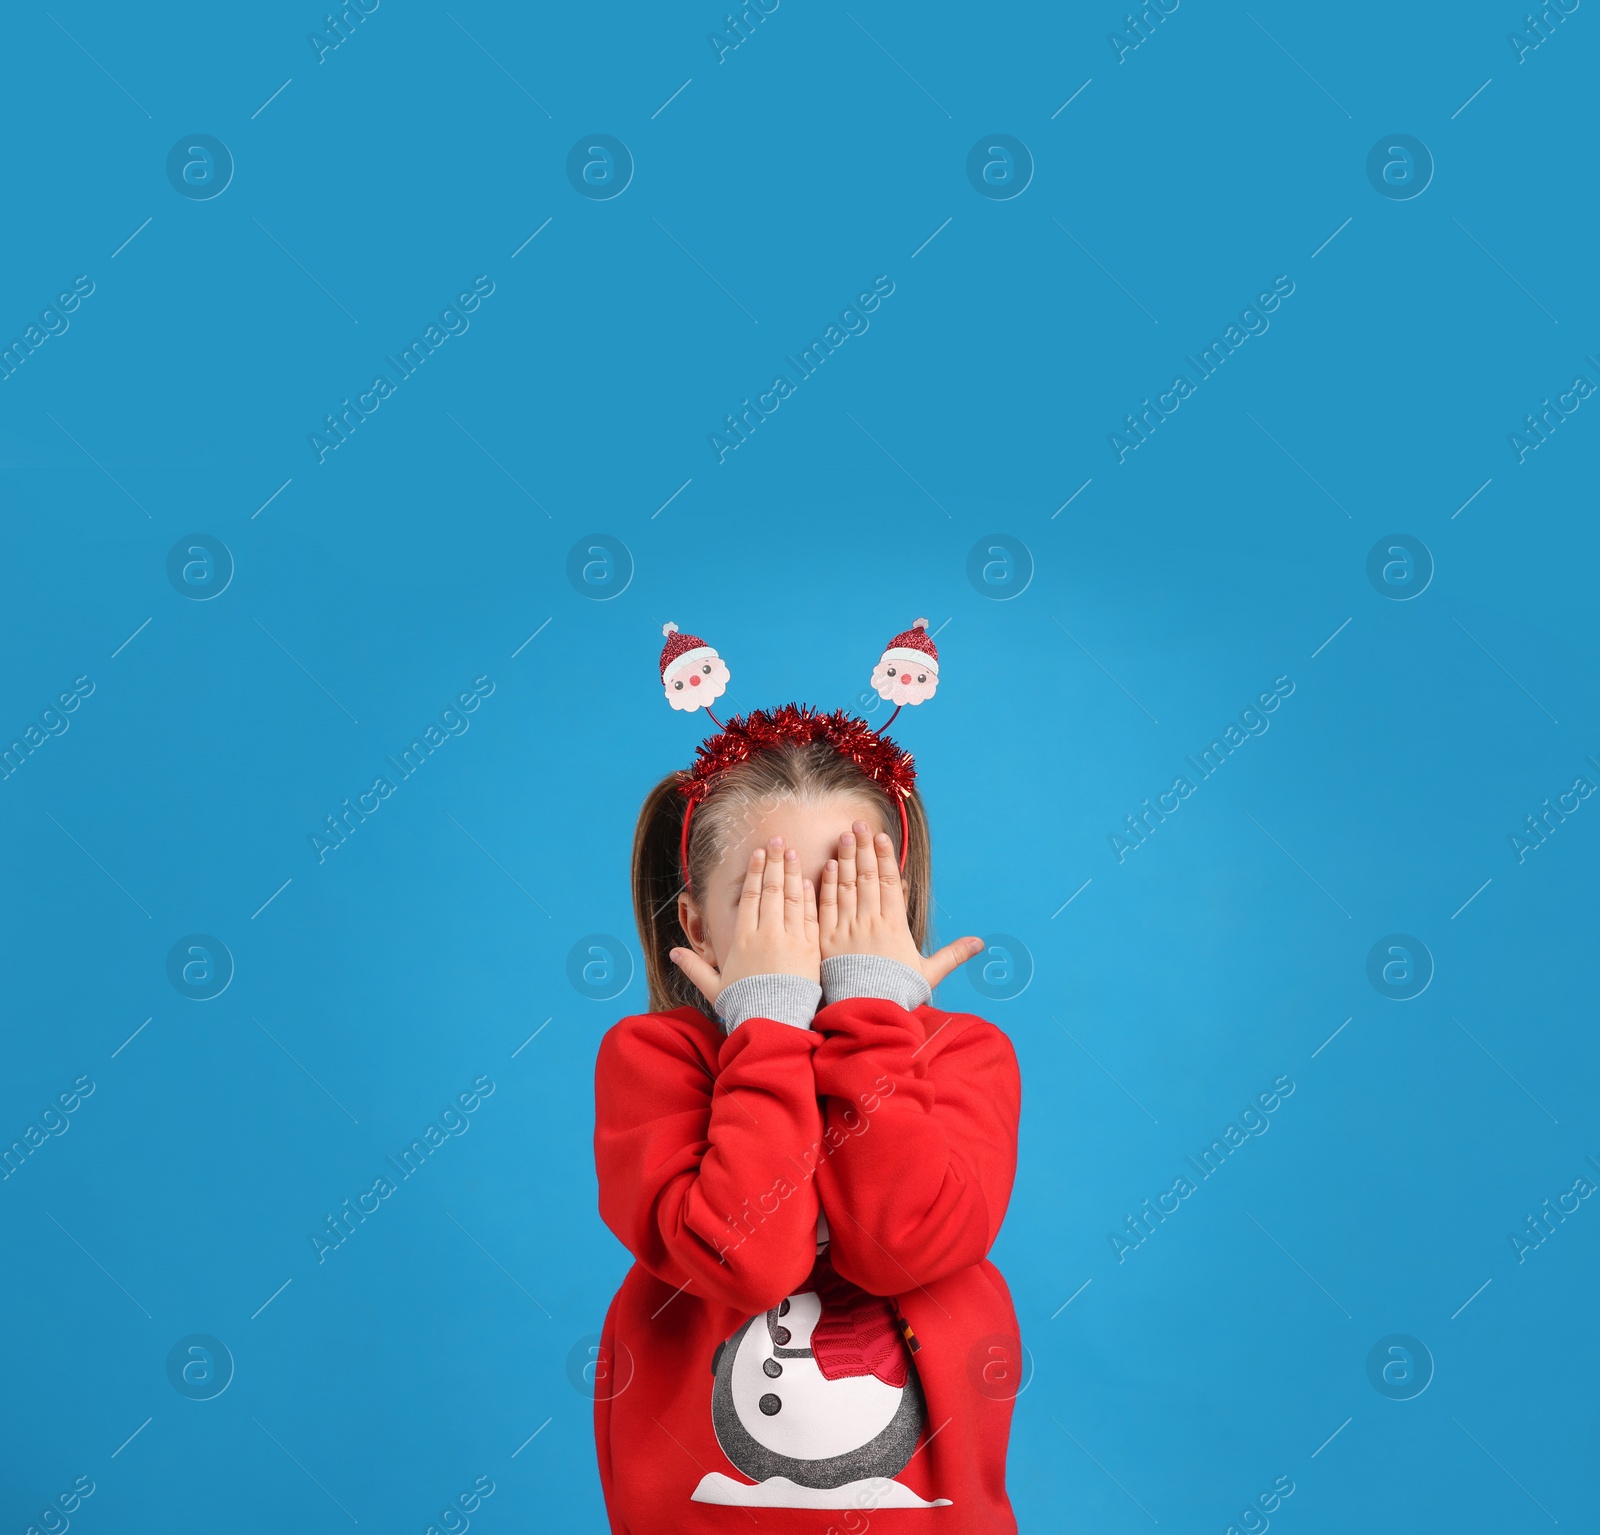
<point x="694" y="680"/>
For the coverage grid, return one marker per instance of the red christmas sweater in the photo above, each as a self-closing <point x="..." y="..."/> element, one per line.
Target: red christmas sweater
<point x="758" y="1358"/>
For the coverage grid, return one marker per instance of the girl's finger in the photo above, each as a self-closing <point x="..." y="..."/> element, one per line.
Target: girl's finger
<point x="701" y="976"/>
<point x="811" y="924"/>
<point x="847" y="878"/>
<point x="750" y="895"/>
<point x="828" y="896"/>
<point x="772" y="886"/>
<point x="794" y="894"/>
<point x="867" y="900"/>
<point x="890" y="896"/>
<point x="937" y="966"/>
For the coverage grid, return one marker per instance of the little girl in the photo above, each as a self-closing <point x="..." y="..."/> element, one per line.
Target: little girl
<point x="808" y="1160"/>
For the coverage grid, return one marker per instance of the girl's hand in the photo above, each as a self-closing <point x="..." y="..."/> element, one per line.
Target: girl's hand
<point x="862" y="909"/>
<point x="775" y="931"/>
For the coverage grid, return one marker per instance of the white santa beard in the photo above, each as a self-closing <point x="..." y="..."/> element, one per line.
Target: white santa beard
<point x="691" y="697"/>
<point x="897" y="691"/>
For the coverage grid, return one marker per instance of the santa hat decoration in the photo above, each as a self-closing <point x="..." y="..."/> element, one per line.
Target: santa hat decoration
<point x="688" y="648"/>
<point x="908" y="670"/>
<point x="913" y="647"/>
<point x="693" y="675"/>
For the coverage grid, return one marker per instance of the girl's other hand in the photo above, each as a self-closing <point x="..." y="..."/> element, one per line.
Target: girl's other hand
<point x="775" y="931"/>
<point x="861" y="908"/>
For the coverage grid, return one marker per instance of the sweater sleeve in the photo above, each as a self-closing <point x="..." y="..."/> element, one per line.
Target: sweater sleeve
<point x="702" y="1177"/>
<point x="921" y="1141"/>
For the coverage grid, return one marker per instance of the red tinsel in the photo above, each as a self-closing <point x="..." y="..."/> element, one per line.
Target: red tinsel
<point x="886" y="764"/>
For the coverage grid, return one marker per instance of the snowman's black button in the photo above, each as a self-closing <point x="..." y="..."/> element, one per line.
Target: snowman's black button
<point x="783" y="1308"/>
<point x="781" y="1335"/>
<point x="770" y="1405"/>
<point x="772" y="1367"/>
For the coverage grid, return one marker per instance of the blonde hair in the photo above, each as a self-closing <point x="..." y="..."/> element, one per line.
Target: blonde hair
<point x="781" y="775"/>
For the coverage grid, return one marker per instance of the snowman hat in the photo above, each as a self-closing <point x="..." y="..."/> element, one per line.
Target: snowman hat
<point x="914" y="646"/>
<point x="683" y="647"/>
<point x="880" y="760"/>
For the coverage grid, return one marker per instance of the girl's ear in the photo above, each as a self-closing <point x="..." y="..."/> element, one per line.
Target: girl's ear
<point x="694" y="927"/>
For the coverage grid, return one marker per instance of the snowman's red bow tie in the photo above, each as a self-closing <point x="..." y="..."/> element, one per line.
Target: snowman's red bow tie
<point x="857" y="1333"/>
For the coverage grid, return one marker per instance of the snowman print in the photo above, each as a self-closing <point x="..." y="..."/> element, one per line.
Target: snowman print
<point x="808" y="1441"/>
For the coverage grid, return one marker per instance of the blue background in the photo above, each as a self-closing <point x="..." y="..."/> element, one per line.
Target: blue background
<point x="1135" y="609"/>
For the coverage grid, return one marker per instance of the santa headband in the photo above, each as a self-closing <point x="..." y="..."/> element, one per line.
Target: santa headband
<point x="694" y="676"/>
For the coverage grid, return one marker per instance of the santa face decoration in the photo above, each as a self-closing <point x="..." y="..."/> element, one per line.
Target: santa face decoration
<point x="693" y="675"/>
<point x="694" y="684"/>
<point x="908" y="670"/>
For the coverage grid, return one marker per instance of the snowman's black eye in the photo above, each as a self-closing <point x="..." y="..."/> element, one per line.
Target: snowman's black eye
<point x="678" y="685"/>
<point x="891" y="671"/>
<point x="706" y="669"/>
<point x="922" y="676"/>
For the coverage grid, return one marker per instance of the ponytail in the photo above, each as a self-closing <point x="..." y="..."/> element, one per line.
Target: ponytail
<point x="657" y="881"/>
